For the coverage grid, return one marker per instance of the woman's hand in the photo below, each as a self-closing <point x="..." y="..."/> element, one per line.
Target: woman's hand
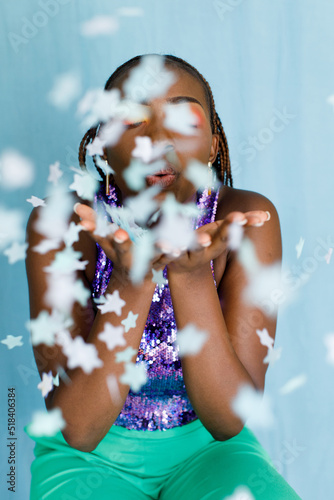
<point x="213" y="240"/>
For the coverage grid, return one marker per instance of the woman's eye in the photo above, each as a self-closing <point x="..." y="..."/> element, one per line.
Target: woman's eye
<point x="130" y="124"/>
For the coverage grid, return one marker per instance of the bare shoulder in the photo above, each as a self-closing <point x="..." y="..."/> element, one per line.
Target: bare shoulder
<point x="232" y="199"/>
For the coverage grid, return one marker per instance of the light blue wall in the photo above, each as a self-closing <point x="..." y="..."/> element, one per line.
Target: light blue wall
<point x="262" y="59"/>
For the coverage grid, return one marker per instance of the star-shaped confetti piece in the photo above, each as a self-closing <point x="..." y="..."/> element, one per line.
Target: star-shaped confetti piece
<point x="82" y="354"/>
<point x="265" y="338"/>
<point x="180" y="118"/>
<point x="44" y="328"/>
<point x="72" y="234"/>
<point x="299" y="247"/>
<point x="84" y="184"/>
<point x="113" y="303"/>
<point x="252" y="406"/>
<point x="55" y="173"/>
<point x="46" y="423"/>
<point x="99" y="25"/>
<point x="66" y="88"/>
<point x="16" y="252"/>
<point x="126" y="355"/>
<point x="16" y="171"/>
<point x="235" y="235"/>
<point x="46" y="245"/>
<point x="272" y="355"/>
<point x="66" y="261"/>
<point x="112" y="336"/>
<point x="198" y="174"/>
<point x="130" y="321"/>
<point x="143" y="205"/>
<point x="143" y="251"/>
<point x="10" y="341"/>
<point x="135" y="376"/>
<point x="46" y="384"/>
<point x="293" y="384"/>
<point x="36" y="202"/>
<point x="158" y="277"/>
<point x="191" y="340"/>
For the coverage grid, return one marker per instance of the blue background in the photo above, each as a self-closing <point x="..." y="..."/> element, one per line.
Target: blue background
<point x="263" y="59"/>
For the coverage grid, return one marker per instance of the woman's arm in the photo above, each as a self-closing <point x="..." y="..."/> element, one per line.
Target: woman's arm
<point x="86" y="404"/>
<point x="232" y="355"/>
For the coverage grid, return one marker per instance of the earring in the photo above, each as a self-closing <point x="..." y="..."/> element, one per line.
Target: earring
<point x="210" y="177"/>
<point x="107" y="178"/>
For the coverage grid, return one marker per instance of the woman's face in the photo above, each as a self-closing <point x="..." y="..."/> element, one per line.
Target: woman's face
<point x="202" y="145"/>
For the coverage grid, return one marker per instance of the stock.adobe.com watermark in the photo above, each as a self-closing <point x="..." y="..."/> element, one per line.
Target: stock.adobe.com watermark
<point x="30" y="27"/>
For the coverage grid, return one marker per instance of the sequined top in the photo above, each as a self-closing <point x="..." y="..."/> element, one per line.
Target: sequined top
<point x="162" y="402"/>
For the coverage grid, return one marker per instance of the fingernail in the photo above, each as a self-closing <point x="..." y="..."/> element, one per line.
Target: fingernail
<point x="75" y="207"/>
<point x="268" y="216"/>
<point x="206" y="243"/>
<point x="258" y="224"/>
<point x="240" y="222"/>
<point x="118" y="240"/>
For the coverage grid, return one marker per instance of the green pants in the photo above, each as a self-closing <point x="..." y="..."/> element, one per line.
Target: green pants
<point x="184" y="463"/>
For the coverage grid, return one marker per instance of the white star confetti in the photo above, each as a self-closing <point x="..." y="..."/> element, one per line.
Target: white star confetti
<point x="135" y="376"/>
<point x="44" y="328"/>
<point x="55" y="173"/>
<point x="99" y="106"/>
<point x="96" y="147"/>
<point x="66" y="261"/>
<point x="36" y="202"/>
<point x="66" y="88"/>
<point x="149" y="79"/>
<point x="84" y="184"/>
<point x="148" y="151"/>
<point x="72" y="234"/>
<point x="99" y="25"/>
<point x="46" y="245"/>
<point x="299" y="247"/>
<point x="252" y="406"/>
<point x="198" y="174"/>
<point x="328" y="255"/>
<point x="64" y="290"/>
<point x="11" y="226"/>
<point x="16" y="171"/>
<point x="46" y="423"/>
<point x="16" y="252"/>
<point x="191" y="340"/>
<point x="112" y="303"/>
<point x="273" y="355"/>
<point x="265" y="338"/>
<point x="180" y="118"/>
<point x="130" y="321"/>
<point x="235" y="235"/>
<point x="46" y="384"/>
<point x="113" y="389"/>
<point x="158" y="277"/>
<point x="240" y="493"/>
<point x="10" y="341"/>
<point x="126" y="355"/>
<point x="53" y="219"/>
<point x="329" y="343"/>
<point x="103" y="227"/>
<point x="293" y="384"/>
<point x="135" y="174"/>
<point x="112" y="336"/>
<point x="110" y="133"/>
<point x="83" y="355"/>
<point x="143" y="251"/>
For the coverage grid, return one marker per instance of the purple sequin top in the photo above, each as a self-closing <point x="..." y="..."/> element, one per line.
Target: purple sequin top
<point x="162" y="403"/>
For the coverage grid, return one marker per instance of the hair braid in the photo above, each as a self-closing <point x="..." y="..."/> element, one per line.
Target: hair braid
<point x="222" y="164"/>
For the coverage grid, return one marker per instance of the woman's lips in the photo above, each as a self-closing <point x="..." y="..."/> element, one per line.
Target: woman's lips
<point x="164" y="178"/>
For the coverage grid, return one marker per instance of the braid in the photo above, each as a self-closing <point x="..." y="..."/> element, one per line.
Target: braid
<point x="222" y="164"/>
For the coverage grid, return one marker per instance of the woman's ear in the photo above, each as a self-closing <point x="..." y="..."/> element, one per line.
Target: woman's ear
<point x="214" y="147"/>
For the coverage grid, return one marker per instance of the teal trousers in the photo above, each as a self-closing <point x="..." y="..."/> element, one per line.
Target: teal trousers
<point x="184" y="463"/>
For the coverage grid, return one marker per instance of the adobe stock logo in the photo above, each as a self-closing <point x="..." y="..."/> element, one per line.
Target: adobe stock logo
<point x="40" y="19"/>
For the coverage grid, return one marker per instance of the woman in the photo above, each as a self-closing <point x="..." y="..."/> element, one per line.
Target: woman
<point x="177" y="435"/>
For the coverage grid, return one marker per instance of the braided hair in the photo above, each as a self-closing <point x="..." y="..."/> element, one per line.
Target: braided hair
<point x="222" y="163"/>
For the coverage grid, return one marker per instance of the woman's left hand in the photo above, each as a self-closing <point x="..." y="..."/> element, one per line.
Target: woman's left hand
<point x="213" y="240"/>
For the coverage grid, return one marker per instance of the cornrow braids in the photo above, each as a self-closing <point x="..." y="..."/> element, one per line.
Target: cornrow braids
<point x="222" y="164"/>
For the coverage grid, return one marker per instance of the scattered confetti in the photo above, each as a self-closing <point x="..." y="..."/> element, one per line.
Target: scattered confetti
<point x="293" y="384"/>
<point x="84" y="184"/>
<point x="46" y="246"/>
<point x="99" y="25"/>
<point x="273" y="355"/>
<point x="46" y="423"/>
<point x="55" y="173"/>
<point x="143" y="251"/>
<point x="252" y="406"/>
<point x="191" y="340"/>
<point x="113" y="389"/>
<point x="328" y="255"/>
<point x="135" y="174"/>
<point x="81" y="354"/>
<point x="112" y="336"/>
<point x="36" y="202"/>
<point x="158" y="277"/>
<point x="46" y="384"/>
<point x="198" y="174"/>
<point x="99" y="106"/>
<point x="241" y="493"/>
<point x="235" y="235"/>
<point x="16" y="171"/>
<point x="16" y="252"/>
<point x="66" y="261"/>
<point x="299" y="247"/>
<point x="149" y="79"/>
<point x="143" y="205"/>
<point x="265" y="338"/>
<point x="112" y="303"/>
<point x="126" y="355"/>
<point x="44" y="328"/>
<point x="66" y="88"/>
<point x="147" y="151"/>
<point x="64" y="290"/>
<point x="180" y="118"/>
<point x="130" y="321"/>
<point x="10" y="341"/>
<point x="135" y="376"/>
<point x="53" y="219"/>
<point x="72" y="234"/>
